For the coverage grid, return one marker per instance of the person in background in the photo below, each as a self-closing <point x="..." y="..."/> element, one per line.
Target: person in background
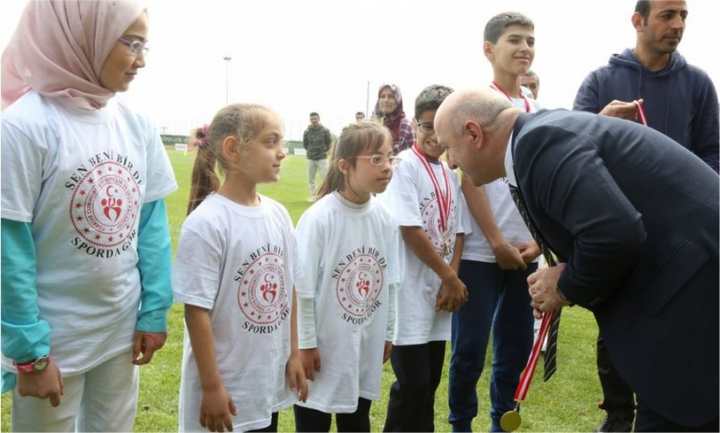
<point x="389" y="112"/>
<point x="316" y="141"/>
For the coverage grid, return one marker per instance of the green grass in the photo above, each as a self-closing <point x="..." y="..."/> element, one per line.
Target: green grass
<point x="568" y="402"/>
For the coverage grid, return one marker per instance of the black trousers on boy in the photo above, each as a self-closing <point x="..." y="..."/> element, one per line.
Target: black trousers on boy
<point x="418" y="370"/>
<point x="311" y="420"/>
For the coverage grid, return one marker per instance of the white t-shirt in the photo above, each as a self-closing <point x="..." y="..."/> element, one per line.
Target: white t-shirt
<point x="507" y="217"/>
<point x="239" y="263"/>
<point x="350" y="257"/>
<point x="81" y="177"/>
<point x="410" y="198"/>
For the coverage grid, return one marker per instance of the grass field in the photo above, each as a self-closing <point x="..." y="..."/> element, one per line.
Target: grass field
<point x="568" y="402"/>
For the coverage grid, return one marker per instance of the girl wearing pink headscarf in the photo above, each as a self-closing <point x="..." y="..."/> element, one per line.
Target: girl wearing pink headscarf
<point x="389" y="111"/>
<point x="85" y="241"/>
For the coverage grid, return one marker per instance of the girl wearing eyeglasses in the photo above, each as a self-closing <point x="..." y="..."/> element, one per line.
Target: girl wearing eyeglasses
<point x="349" y="259"/>
<point x="86" y="245"/>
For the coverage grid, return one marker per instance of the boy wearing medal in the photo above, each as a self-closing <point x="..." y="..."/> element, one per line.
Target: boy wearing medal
<point x="423" y="196"/>
<point x="498" y="257"/>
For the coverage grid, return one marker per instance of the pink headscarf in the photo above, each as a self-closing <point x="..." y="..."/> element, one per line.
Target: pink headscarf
<point x="60" y="46"/>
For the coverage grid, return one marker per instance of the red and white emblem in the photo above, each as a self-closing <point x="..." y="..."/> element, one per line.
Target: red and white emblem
<point x="262" y="296"/>
<point x="359" y="285"/>
<point x="104" y="205"/>
<point x="431" y="221"/>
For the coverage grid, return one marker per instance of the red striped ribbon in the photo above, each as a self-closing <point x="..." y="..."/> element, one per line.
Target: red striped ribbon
<point x="527" y="374"/>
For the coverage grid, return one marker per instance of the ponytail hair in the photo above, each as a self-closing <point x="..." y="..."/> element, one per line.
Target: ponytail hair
<point x="354" y="140"/>
<point x="243" y="121"/>
<point x="204" y="178"/>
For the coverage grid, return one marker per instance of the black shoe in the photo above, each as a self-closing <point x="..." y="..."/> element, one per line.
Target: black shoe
<point x="616" y="423"/>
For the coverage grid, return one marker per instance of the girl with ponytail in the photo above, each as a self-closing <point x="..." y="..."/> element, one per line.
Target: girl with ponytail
<point x="235" y="271"/>
<point x="346" y="295"/>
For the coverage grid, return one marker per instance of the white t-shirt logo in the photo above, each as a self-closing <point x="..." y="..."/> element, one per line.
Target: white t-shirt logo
<point x="104" y="205"/>
<point x="262" y="294"/>
<point x="359" y="284"/>
<point x="431" y="221"/>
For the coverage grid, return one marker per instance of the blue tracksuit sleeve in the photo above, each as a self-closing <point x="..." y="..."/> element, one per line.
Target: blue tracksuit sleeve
<point x="25" y="336"/>
<point x="705" y="138"/>
<point x="586" y="98"/>
<point x="154" y="265"/>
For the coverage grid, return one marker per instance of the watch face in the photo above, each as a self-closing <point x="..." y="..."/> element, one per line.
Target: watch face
<point x="40" y="364"/>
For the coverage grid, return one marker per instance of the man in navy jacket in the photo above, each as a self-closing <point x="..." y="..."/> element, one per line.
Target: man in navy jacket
<point x="632" y="217"/>
<point x="678" y="100"/>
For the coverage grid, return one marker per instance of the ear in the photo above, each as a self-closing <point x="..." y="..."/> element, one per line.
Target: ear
<point x="475" y="133"/>
<point x="489" y="50"/>
<point x="231" y="148"/>
<point x="637" y="21"/>
<point x="344" y="166"/>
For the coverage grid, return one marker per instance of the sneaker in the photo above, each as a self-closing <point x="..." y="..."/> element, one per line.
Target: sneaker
<point x="616" y="423"/>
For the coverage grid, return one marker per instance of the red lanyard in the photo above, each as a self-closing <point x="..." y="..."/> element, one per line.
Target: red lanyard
<point x="527" y="374"/>
<point x="442" y="200"/>
<point x="497" y="87"/>
<point x="641" y="112"/>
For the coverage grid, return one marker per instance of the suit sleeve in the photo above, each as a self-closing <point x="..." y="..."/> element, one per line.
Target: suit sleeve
<point x="587" y="98"/>
<point x="575" y="190"/>
<point x="705" y="135"/>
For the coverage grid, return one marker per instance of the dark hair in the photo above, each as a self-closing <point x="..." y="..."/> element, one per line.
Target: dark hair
<point x="643" y="8"/>
<point x="360" y="113"/>
<point x="243" y="121"/>
<point x="314" y="114"/>
<point x="430" y="98"/>
<point x="354" y="140"/>
<point x="497" y="24"/>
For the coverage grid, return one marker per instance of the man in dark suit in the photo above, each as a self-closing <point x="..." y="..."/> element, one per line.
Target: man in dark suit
<point x="633" y="219"/>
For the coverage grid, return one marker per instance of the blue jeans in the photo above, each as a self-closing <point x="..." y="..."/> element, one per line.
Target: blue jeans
<point x="497" y="299"/>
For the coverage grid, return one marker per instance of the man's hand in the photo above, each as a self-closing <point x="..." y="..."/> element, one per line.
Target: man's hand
<point x="542" y="285"/>
<point x="295" y="375"/>
<point x="217" y="410"/>
<point x="529" y="251"/>
<point x="452" y="294"/>
<point x="508" y="257"/>
<point x="622" y="109"/>
<point x="42" y="384"/>
<point x="146" y="343"/>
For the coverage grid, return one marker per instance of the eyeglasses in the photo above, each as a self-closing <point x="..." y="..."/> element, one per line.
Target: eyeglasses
<point x="136" y="46"/>
<point x="378" y="160"/>
<point x="426" y="127"/>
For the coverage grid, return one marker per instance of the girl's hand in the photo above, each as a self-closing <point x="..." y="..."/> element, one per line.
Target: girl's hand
<point x="295" y="375"/>
<point x="311" y="362"/>
<point x="387" y="351"/>
<point x="42" y="384"/>
<point x="217" y="410"/>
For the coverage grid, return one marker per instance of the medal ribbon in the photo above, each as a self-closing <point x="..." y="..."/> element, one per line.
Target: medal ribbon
<point x="442" y="200"/>
<point x="641" y="112"/>
<point x="527" y="374"/>
<point x="497" y="87"/>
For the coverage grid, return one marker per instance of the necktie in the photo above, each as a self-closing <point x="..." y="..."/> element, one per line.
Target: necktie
<point x="551" y="349"/>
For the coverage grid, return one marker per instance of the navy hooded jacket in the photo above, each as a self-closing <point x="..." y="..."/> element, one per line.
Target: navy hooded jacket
<point x="680" y="100"/>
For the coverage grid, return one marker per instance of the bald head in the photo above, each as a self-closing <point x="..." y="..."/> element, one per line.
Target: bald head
<point x="481" y="106"/>
<point x="474" y="125"/>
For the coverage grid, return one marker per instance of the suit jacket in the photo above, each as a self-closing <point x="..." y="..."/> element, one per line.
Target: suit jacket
<point x="635" y="217"/>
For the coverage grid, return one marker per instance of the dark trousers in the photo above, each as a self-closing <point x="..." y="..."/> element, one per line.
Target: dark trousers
<point x="418" y="369"/>
<point x="272" y="427"/>
<point x="650" y="421"/>
<point x="618" y="397"/>
<point x="498" y="300"/>
<point x="311" y="420"/>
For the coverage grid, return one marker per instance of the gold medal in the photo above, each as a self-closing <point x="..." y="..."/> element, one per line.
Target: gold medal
<point x="510" y="420"/>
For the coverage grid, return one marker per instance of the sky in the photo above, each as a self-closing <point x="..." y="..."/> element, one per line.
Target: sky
<point x="314" y="55"/>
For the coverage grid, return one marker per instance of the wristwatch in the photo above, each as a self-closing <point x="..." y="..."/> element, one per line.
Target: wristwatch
<point x="35" y="366"/>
